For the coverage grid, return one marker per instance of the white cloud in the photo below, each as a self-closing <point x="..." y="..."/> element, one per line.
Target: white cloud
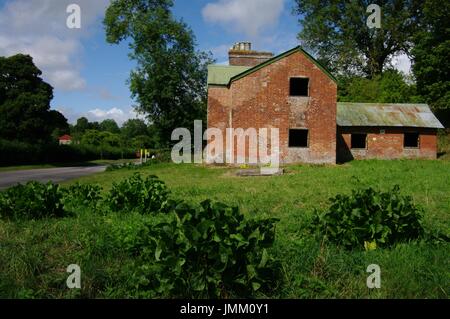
<point x="117" y="114"/>
<point x="103" y="114"/>
<point x="250" y="16"/>
<point x="120" y="115"/>
<point x="38" y="28"/>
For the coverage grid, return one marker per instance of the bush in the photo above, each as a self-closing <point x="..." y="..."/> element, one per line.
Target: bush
<point x="203" y="252"/>
<point x="32" y="201"/>
<point x="87" y="195"/>
<point x="160" y="156"/>
<point x="18" y="153"/>
<point x="367" y="218"/>
<point x="135" y="193"/>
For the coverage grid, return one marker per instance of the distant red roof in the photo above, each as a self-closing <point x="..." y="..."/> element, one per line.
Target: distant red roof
<point x="65" y="138"/>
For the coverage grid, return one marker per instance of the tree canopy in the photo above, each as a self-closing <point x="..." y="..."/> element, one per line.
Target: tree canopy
<point x="169" y="82"/>
<point x="25" y="98"/>
<point x="133" y="128"/>
<point x="336" y="32"/>
<point x="390" y="87"/>
<point x="431" y="55"/>
<point x="109" y="125"/>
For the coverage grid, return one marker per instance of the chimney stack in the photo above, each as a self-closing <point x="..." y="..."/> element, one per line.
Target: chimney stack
<point x="241" y="54"/>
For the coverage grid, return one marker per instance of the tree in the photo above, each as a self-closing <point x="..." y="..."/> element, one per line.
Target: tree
<point x="169" y="82"/>
<point x="336" y="32"/>
<point x="110" y="125"/>
<point x="133" y="128"/>
<point x="25" y="102"/>
<point x="431" y="54"/>
<point x="102" y="140"/>
<point x="142" y="142"/>
<point x="390" y="87"/>
<point x="58" y="124"/>
<point x="81" y="126"/>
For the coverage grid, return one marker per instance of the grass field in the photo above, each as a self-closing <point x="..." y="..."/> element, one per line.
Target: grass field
<point x="34" y="254"/>
<point x="444" y="145"/>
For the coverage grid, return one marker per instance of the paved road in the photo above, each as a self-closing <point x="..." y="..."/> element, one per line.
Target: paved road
<point x="8" y="179"/>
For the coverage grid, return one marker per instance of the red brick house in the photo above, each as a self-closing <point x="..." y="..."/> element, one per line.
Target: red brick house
<point x="294" y="93"/>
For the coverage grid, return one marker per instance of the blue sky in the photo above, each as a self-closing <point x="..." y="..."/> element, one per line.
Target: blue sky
<point x="89" y="75"/>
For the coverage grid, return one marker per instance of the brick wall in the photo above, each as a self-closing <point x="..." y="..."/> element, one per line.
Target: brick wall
<point x="388" y="145"/>
<point x="261" y="100"/>
<point x="248" y="58"/>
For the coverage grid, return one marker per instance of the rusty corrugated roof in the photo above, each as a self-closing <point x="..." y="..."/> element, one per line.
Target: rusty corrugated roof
<point x="380" y="114"/>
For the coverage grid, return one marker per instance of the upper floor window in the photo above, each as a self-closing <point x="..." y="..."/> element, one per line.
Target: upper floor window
<point x="299" y="87"/>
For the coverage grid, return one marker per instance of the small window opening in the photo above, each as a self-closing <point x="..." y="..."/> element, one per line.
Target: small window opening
<point x="298" y="138"/>
<point x="299" y="87"/>
<point x="411" y="140"/>
<point x="359" y="141"/>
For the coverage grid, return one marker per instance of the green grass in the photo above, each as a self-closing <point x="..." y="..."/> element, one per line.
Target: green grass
<point x="444" y="145"/>
<point x="34" y="254"/>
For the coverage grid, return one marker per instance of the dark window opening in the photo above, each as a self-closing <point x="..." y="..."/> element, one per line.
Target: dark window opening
<point x="299" y="87"/>
<point x="298" y="138"/>
<point x="359" y="141"/>
<point x="411" y="140"/>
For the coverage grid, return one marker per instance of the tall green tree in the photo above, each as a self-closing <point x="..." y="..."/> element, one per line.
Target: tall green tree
<point x="431" y="56"/>
<point x="58" y="124"/>
<point x="25" y="102"/>
<point x="81" y="126"/>
<point x="109" y="125"/>
<point x="133" y="128"/>
<point x="336" y="32"/>
<point x="390" y="87"/>
<point x="169" y="82"/>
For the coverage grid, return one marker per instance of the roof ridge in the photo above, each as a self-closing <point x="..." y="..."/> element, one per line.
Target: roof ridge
<point x="279" y="57"/>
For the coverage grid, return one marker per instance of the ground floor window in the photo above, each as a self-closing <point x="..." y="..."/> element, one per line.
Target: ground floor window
<point x="298" y="138"/>
<point x="411" y="140"/>
<point x="359" y="141"/>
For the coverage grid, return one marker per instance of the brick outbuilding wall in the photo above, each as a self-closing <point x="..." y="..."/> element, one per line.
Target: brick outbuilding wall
<point x="386" y="145"/>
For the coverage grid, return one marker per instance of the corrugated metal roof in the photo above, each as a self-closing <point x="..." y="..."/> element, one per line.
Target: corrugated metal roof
<point x="379" y="114"/>
<point x="222" y="74"/>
